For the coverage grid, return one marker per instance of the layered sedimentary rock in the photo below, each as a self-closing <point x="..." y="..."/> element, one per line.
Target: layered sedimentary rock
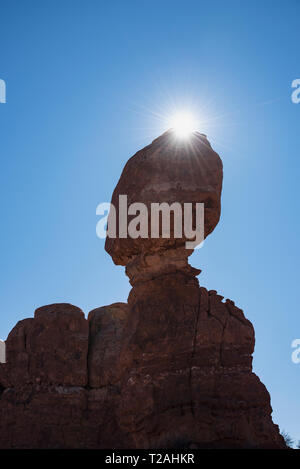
<point x="172" y="368"/>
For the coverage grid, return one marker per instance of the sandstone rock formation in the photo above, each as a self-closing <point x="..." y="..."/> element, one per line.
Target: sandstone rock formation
<point x="167" y="171"/>
<point x="172" y="368"/>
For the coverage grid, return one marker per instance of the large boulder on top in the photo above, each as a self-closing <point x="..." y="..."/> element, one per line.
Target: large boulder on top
<point x="167" y="171"/>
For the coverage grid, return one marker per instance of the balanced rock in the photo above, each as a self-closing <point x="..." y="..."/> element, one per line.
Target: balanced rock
<point x="172" y="368"/>
<point x="167" y="171"/>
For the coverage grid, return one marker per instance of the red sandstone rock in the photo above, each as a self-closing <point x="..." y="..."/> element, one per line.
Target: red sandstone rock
<point x="51" y="348"/>
<point x="170" y="369"/>
<point x="169" y="171"/>
<point x="105" y="340"/>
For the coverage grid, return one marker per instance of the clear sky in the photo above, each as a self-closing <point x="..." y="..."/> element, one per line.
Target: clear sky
<point x="88" y="84"/>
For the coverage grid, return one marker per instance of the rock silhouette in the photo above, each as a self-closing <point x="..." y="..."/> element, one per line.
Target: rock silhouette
<point x="171" y="368"/>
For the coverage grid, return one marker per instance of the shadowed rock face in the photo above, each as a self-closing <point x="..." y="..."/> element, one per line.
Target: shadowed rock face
<point x="172" y="368"/>
<point x="51" y="348"/>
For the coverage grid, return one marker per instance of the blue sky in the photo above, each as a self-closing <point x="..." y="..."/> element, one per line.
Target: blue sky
<point x="88" y="84"/>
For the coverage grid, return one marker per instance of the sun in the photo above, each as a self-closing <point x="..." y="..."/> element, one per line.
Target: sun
<point x="183" y="124"/>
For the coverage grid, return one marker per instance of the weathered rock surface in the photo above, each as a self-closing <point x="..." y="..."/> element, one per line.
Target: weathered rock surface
<point x="172" y="368"/>
<point x="51" y="348"/>
<point x="173" y="171"/>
